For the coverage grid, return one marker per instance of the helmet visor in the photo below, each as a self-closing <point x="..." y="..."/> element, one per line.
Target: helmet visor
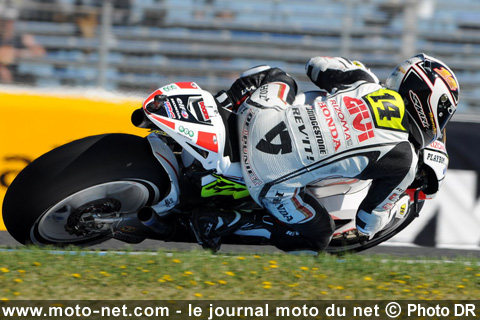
<point x="445" y="111"/>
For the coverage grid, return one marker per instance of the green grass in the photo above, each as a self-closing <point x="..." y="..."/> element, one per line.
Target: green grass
<point x="35" y="274"/>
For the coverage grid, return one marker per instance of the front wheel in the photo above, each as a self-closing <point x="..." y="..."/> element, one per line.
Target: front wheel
<point x="351" y="242"/>
<point x="76" y="193"/>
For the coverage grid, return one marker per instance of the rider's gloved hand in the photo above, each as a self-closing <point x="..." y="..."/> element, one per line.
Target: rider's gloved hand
<point x="251" y="80"/>
<point x="335" y="73"/>
<point x="368" y="224"/>
<point x="248" y="82"/>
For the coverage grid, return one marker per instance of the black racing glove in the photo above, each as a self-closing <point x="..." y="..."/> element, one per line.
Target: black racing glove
<point x="250" y="81"/>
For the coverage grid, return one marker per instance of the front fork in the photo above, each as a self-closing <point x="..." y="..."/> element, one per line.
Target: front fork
<point x="169" y="162"/>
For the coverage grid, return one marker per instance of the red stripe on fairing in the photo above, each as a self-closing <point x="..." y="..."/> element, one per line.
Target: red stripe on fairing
<point x="186" y="85"/>
<point x="171" y="165"/>
<point x="208" y="141"/>
<point x="411" y="193"/>
<point x="169" y="124"/>
<point x="307" y="213"/>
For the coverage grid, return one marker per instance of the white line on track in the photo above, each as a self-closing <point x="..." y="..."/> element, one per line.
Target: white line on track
<point x="171" y="254"/>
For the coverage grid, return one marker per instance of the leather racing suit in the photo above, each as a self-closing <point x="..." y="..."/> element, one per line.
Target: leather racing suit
<point x="357" y="130"/>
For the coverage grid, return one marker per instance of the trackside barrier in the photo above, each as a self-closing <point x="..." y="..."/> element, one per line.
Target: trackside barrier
<point x="34" y="123"/>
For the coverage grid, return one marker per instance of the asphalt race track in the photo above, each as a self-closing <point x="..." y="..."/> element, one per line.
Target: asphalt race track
<point x="7" y="241"/>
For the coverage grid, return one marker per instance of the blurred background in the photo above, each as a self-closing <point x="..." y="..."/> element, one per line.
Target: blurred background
<point x="136" y="46"/>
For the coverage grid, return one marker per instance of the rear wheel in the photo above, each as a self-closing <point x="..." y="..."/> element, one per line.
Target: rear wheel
<point x="76" y="194"/>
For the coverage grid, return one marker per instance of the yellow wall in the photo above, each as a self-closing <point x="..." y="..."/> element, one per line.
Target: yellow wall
<point x="32" y="124"/>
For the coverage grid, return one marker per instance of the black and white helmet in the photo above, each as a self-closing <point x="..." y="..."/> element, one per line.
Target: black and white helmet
<point x="430" y="93"/>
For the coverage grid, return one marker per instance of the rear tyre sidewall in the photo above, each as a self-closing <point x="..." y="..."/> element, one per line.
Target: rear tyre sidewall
<point x="73" y="167"/>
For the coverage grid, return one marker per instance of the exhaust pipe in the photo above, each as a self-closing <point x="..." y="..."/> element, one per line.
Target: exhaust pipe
<point x="140" y="120"/>
<point x="149" y="218"/>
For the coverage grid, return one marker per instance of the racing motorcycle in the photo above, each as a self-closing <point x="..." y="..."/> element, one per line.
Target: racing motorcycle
<point x="134" y="188"/>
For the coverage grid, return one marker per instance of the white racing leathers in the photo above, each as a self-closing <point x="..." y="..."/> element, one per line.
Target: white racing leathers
<point x="359" y="132"/>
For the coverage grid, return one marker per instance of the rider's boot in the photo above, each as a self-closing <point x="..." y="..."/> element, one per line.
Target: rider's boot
<point x="209" y="226"/>
<point x="313" y="236"/>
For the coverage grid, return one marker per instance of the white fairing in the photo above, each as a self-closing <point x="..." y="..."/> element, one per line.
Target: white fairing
<point x="190" y="116"/>
<point x="341" y="198"/>
<point x="167" y="159"/>
<point x="193" y="130"/>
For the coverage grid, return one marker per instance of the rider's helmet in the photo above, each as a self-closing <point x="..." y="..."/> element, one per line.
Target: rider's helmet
<point x="430" y="93"/>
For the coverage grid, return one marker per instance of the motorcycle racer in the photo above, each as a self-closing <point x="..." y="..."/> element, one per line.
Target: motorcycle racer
<point x="357" y="129"/>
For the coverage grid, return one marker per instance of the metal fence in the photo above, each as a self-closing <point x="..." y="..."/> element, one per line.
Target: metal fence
<point x="138" y="45"/>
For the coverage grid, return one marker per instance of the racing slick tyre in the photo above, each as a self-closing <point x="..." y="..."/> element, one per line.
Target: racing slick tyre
<point x="353" y="243"/>
<point x="60" y="197"/>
